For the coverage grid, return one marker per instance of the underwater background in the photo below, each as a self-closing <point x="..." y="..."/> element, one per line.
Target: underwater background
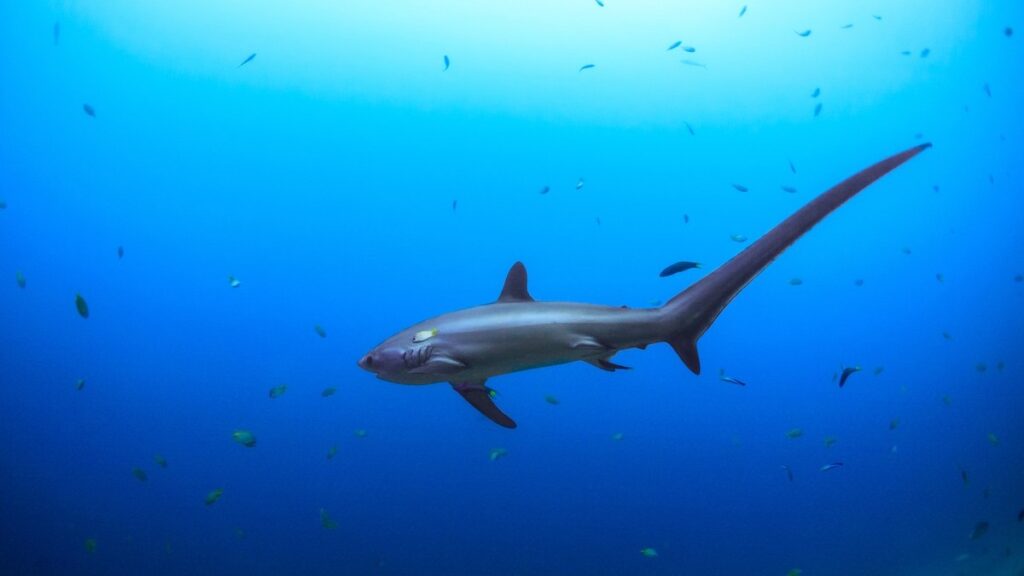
<point x="234" y="224"/>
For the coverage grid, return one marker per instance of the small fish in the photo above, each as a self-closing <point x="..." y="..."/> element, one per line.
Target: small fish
<point x="19" y="277"/>
<point x="120" y="252"/>
<point x="730" y="379"/>
<point x="993" y="439"/>
<point x="689" y="128"/>
<point x="1018" y="278"/>
<point x="90" y="545"/>
<point x="689" y="49"/>
<point x="789" y="472"/>
<point x="234" y="282"/>
<point x="894" y="423"/>
<point x="988" y="91"/>
<point x="831" y="466"/>
<point x="89" y="110"/>
<point x="925" y="52"/>
<point x="695" y="64"/>
<point x="847" y="372"/>
<point x="829" y="441"/>
<point x="160" y="460"/>
<point x="360" y="433"/>
<point x="649" y="553"/>
<point x="545" y="189"/>
<point x="906" y="52"/>
<point x="741" y="188"/>
<point x="213" y="495"/>
<point x="328" y="392"/>
<point x="618" y="436"/>
<point x="320" y="331"/>
<point x="738" y="238"/>
<point x="424" y="335"/>
<point x="277" y="391"/>
<point x="1000" y="365"/>
<point x="455" y="205"/>
<point x="332" y="452"/>
<point x="244" y="437"/>
<point x="878" y="370"/>
<point x="846" y="26"/>
<point x="803" y="34"/>
<point x="743" y="10"/>
<point x="140" y="474"/>
<point x="599" y="3"/>
<point x="979" y="530"/>
<point x="447" y="63"/>
<point x="817" y="109"/>
<point x="80" y="384"/>
<point x="796" y="282"/>
<point x="551" y="400"/>
<point x="674" y="45"/>
<point x="940" y="278"/>
<point x="794" y="433"/>
<point x="947" y="400"/>
<point x="1008" y="32"/>
<point x="3" y="205"/>
<point x="876" y="17"/>
<point x="247" y="59"/>
<point x="964" y="477"/>
<point x="497" y="453"/>
<point x="585" y="67"/>
<point x="906" y="251"/>
<point x="792" y="167"/>
<point x="678" y="267"/>
<point x="326" y="521"/>
<point x="816" y="93"/>
<point x="56" y="33"/>
<point x="686" y="218"/>
<point x="579" y="184"/>
<point x="1020" y="515"/>
<point x="81" y="306"/>
<point x="981" y="367"/>
<point x="789" y="189"/>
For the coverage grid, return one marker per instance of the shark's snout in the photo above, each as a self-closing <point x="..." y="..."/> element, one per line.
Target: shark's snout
<point x="366" y="362"/>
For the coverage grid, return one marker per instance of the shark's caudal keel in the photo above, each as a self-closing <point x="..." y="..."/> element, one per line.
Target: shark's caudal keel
<point x="516" y="333"/>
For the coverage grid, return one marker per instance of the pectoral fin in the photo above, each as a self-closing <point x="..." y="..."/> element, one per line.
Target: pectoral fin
<point x="480" y="398"/>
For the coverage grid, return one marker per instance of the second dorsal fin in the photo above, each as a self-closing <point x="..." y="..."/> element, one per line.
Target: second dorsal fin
<point x="515" y="285"/>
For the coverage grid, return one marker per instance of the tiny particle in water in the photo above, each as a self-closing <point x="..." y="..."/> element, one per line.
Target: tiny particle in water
<point x="328" y="392"/>
<point x="579" y="183"/>
<point x="686" y="218"/>
<point x="1008" y="32"/>
<point x="817" y="109"/>
<point x="320" y="331"/>
<point x="858" y="282"/>
<point x="689" y="129"/>
<point x="649" y="553"/>
<point x="981" y="367"/>
<point x="738" y="238"/>
<point x="795" y="282"/>
<point x="792" y="167"/>
<point x="455" y="205"/>
<point x="789" y="189"/>
<point x="80" y="384"/>
<point x="803" y="34"/>
<point x="816" y="93"/>
<point x="89" y="110"/>
<point x="545" y="189"/>
<point x="743" y="10"/>
<point x="925" y="52"/>
<point x="741" y="188"/>
<point x="979" y="530"/>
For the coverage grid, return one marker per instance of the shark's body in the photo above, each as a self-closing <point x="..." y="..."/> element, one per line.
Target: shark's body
<point x="516" y="333"/>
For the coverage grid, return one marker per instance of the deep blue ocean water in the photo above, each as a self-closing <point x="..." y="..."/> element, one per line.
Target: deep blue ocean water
<point x="346" y="179"/>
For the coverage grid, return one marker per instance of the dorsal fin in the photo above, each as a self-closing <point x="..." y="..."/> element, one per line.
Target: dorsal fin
<point x="515" y="285"/>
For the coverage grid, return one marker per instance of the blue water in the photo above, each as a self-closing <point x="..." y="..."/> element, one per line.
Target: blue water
<point x="322" y="175"/>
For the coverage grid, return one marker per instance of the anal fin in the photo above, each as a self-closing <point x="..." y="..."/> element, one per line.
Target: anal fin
<point x="606" y="364"/>
<point x="479" y="397"/>
<point x="687" y="351"/>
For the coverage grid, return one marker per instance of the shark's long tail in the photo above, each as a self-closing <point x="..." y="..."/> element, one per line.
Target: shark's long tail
<point x="692" y="311"/>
